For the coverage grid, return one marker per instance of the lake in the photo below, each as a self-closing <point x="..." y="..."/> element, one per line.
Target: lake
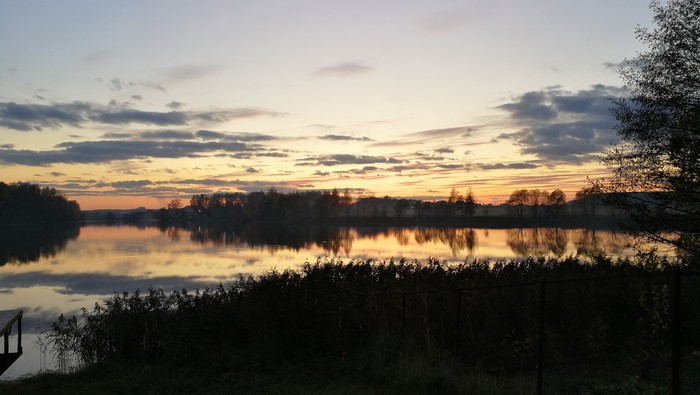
<point x="48" y="271"/>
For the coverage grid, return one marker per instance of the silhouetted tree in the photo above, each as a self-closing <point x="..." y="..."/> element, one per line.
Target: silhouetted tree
<point x="557" y="202"/>
<point x="518" y="200"/>
<point x="588" y="199"/>
<point x="175" y="204"/>
<point x="470" y="203"/>
<point x="346" y="202"/>
<point x="656" y="166"/>
<point x="29" y="203"/>
<point x="538" y="198"/>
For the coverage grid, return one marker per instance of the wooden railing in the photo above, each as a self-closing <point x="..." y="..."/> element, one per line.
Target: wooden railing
<point x="7" y="320"/>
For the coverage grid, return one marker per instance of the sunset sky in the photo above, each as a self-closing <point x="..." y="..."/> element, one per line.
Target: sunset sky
<point x="123" y="104"/>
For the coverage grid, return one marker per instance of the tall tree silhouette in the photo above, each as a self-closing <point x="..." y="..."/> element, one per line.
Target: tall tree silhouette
<point x="656" y="166"/>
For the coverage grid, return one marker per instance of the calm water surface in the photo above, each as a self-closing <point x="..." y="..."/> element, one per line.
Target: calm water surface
<point x="48" y="272"/>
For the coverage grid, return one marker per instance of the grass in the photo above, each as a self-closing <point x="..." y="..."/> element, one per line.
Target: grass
<point x="384" y="328"/>
<point x="412" y="375"/>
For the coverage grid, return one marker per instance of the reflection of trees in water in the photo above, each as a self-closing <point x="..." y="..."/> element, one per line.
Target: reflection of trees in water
<point x="29" y="244"/>
<point x="537" y="241"/>
<point x="274" y="237"/>
<point x="174" y="233"/>
<point x="403" y="236"/>
<point x="339" y="240"/>
<point x="591" y="243"/>
<point x="554" y="241"/>
<point x="458" y="239"/>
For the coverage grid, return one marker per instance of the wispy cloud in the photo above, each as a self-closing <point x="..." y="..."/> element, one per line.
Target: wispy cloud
<point x="428" y="136"/>
<point x="109" y="151"/>
<point x="117" y="84"/>
<point x="232" y="136"/>
<point x="175" y="105"/>
<point x="347" y="69"/>
<point x="504" y="166"/>
<point x="189" y="72"/>
<point x="337" y="137"/>
<point x="345" y="159"/>
<point x="28" y="117"/>
<point x="143" y="117"/>
<point x="231" y="114"/>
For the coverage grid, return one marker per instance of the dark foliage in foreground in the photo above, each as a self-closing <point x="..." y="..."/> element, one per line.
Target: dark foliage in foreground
<point x="332" y="310"/>
<point x="24" y="203"/>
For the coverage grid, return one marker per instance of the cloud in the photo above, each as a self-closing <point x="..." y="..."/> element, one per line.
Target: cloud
<point x="175" y="105"/>
<point x="144" y="117"/>
<point x="116" y="84"/>
<point x="236" y="113"/>
<point x="137" y="97"/>
<point x="444" y="150"/>
<point x="131" y="184"/>
<point x="427" y="157"/>
<point x="346" y="159"/>
<point x="531" y="106"/>
<point x="110" y="150"/>
<point x="401" y="168"/>
<point x="364" y="170"/>
<point x="114" y="135"/>
<point x="575" y="142"/>
<point x="572" y="127"/>
<point x="336" y="137"/>
<point x="189" y="72"/>
<point x="450" y="166"/>
<point x="272" y="154"/>
<point x="428" y="136"/>
<point x="167" y="135"/>
<point x="505" y="166"/>
<point x="616" y="66"/>
<point x="348" y="69"/>
<point x="460" y="131"/>
<point x="28" y="117"/>
<point x="233" y="136"/>
<point x="57" y="174"/>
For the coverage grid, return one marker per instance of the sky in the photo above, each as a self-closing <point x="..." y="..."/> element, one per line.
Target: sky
<point x="132" y="103"/>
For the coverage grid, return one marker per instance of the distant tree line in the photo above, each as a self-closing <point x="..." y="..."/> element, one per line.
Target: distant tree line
<point x="319" y="206"/>
<point x="29" y="203"/>
<point x="264" y="206"/>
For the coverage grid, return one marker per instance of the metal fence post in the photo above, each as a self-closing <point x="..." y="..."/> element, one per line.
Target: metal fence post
<point x="403" y="317"/>
<point x="676" y="333"/>
<point x="458" y="322"/>
<point x="540" y="337"/>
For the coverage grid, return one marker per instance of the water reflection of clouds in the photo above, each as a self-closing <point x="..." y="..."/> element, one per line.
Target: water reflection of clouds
<point x="100" y="283"/>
